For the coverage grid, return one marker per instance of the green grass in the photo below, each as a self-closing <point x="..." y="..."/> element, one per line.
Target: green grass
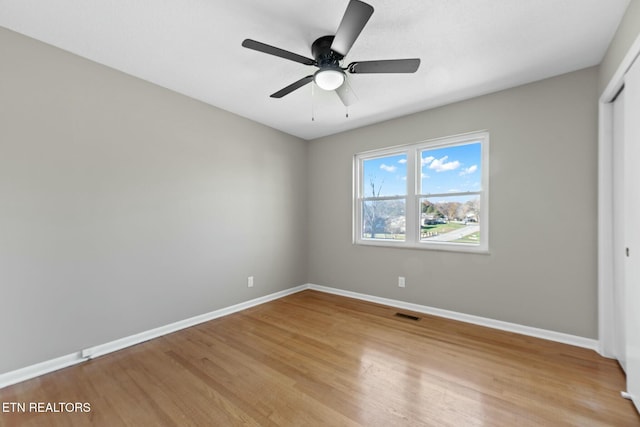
<point x="441" y="228"/>
<point x="432" y="230"/>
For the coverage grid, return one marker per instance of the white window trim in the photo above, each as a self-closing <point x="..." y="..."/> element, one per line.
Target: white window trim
<point x="412" y="235"/>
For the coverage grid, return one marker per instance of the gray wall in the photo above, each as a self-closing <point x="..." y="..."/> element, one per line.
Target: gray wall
<point x="626" y="34"/>
<point x="543" y="174"/>
<point x="124" y="206"/>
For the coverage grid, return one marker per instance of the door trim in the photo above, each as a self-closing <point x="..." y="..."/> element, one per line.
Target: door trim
<point x="605" y="203"/>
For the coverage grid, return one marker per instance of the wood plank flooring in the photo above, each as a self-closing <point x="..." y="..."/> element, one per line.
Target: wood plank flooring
<point x="322" y="360"/>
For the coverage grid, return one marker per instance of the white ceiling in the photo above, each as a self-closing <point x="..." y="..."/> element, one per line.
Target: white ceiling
<point x="467" y="47"/>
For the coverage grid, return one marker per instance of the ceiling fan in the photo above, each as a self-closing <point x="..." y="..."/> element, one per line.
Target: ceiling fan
<point x="328" y="51"/>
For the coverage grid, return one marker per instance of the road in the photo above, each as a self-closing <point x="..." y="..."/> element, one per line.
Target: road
<point x="457" y="234"/>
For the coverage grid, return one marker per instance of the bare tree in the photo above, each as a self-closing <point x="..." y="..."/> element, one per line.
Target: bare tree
<point x="452" y="209"/>
<point x="374" y="222"/>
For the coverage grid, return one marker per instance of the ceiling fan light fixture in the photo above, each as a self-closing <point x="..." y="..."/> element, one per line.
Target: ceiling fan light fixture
<point x="329" y="78"/>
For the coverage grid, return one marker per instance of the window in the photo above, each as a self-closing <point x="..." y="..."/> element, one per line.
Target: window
<point x="430" y="195"/>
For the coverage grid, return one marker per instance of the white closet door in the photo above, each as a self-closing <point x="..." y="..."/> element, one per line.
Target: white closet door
<point x="632" y="229"/>
<point x="619" y="239"/>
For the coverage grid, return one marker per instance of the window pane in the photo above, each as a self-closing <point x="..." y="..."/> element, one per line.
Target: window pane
<point x="455" y="169"/>
<point x="385" y="176"/>
<point x="450" y="219"/>
<point x="383" y="219"/>
<point x="430" y="195"/>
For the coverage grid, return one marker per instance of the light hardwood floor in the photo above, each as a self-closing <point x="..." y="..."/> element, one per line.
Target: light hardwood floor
<point x="323" y="360"/>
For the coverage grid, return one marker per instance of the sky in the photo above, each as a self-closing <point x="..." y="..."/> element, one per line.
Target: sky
<point x="445" y="170"/>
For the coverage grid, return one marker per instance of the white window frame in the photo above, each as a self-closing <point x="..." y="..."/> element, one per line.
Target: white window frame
<point x="412" y="198"/>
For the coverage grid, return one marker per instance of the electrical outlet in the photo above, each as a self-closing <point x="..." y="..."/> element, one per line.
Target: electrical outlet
<point x="250" y="281"/>
<point x="401" y="282"/>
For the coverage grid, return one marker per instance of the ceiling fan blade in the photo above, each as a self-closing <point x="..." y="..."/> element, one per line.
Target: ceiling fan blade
<point x="346" y="94"/>
<point x="293" y="86"/>
<point x="276" y="51"/>
<point x="355" y="18"/>
<point x="385" y="66"/>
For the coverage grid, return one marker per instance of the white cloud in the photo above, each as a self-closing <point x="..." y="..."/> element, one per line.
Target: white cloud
<point x="427" y="160"/>
<point x="441" y="165"/>
<point x="425" y="176"/>
<point x="469" y="170"/>
<point x="388" y="168"/>
<point x="402" y="161"/>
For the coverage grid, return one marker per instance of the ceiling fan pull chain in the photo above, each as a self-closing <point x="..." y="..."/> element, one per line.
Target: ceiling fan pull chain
<point x="346" y="109"/>
<point x="313" y="112"/>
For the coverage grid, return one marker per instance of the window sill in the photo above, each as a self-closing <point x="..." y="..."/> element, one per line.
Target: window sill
<point x="449" y="247"/>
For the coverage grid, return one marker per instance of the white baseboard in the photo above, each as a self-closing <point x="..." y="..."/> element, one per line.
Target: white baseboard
<point x="476" y="320"/>
<point x="38" y="369"/>
<point x="119" y="344"/>
<point x="26" y="373"/>
<point x="52" y="365"/>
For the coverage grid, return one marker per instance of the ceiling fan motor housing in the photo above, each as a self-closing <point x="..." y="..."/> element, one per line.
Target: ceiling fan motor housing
<point x="324" y="56"/>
